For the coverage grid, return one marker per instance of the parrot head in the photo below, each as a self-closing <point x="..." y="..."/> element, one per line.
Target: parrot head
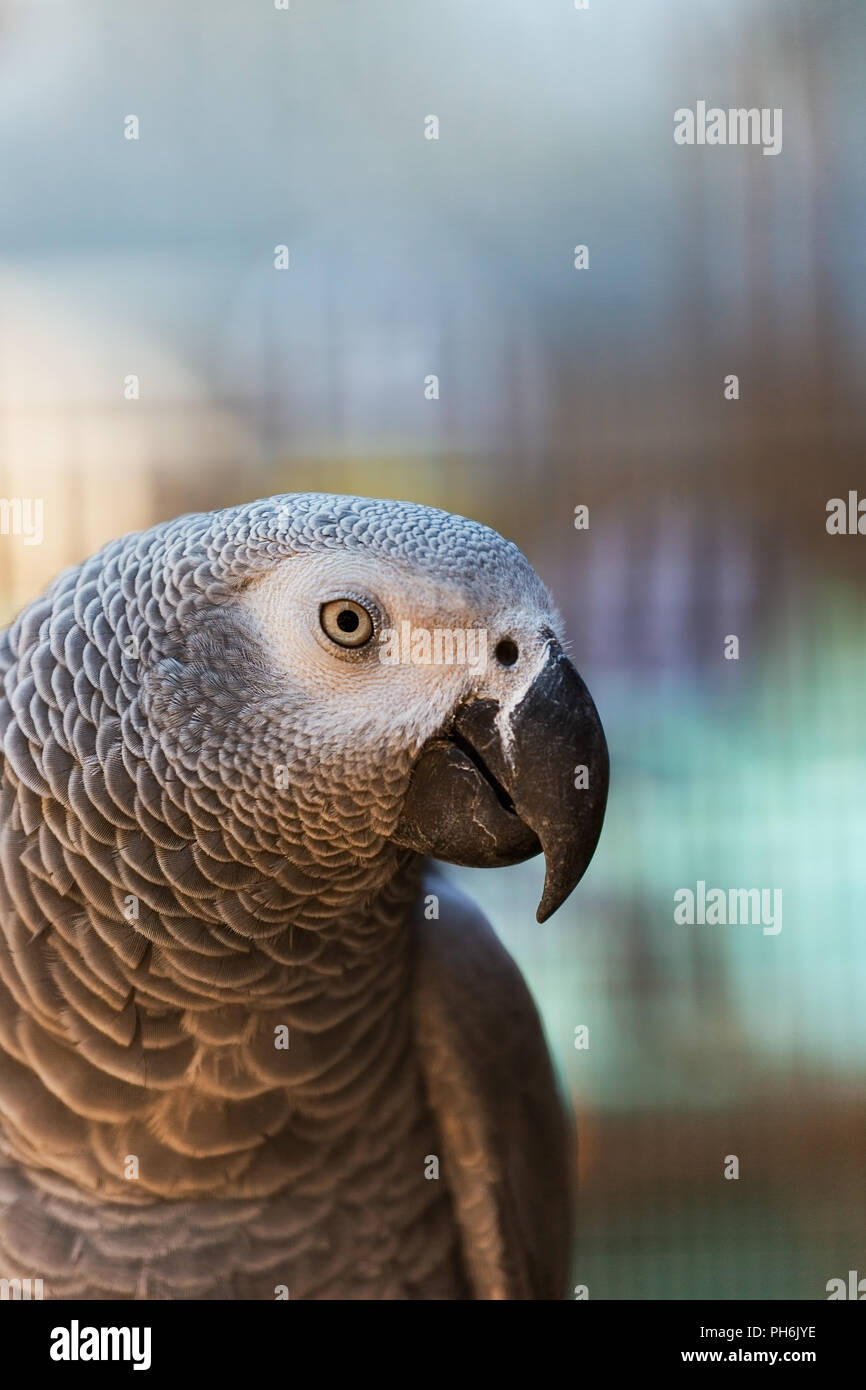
<point x="350" y="675"/>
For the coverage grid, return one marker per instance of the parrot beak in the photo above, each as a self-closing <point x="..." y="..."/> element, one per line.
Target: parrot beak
<point x="498" y="786"/>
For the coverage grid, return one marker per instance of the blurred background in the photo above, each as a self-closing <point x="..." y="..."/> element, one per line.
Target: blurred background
<point x="153" y="360"/>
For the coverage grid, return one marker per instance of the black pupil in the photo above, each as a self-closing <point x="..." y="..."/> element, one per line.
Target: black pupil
<point x="506" y="652"/>
<point x="347" y="621"/>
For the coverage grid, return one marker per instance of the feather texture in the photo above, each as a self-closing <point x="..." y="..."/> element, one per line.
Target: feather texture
<point x="168" y="912"/>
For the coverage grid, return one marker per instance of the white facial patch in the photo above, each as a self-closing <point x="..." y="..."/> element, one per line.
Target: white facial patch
<point x="409" y="675"/>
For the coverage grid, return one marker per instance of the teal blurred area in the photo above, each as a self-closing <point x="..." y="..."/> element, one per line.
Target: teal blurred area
<point x="557" y="388"/>
<point x="706" y="1041"/>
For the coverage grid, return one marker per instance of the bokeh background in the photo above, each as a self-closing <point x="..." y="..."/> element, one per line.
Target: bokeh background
<point x="604" y="387"/>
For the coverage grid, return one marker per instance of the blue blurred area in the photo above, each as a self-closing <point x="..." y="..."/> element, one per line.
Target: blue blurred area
<point x="558" y="387"/>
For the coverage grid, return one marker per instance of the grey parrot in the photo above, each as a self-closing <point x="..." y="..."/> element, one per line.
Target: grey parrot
<point x="252" y="1043"/>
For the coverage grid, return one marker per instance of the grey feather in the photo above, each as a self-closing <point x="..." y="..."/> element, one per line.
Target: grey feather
<point x="164" y="907"/>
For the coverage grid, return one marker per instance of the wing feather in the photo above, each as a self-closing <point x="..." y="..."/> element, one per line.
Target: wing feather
<point x="507" y="1145"/>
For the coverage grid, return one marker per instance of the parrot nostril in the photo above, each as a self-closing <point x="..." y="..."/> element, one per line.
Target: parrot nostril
<point x="506" y="652"/>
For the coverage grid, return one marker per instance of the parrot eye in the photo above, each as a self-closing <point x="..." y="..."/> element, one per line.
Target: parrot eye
<point x="346" y="622"/>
